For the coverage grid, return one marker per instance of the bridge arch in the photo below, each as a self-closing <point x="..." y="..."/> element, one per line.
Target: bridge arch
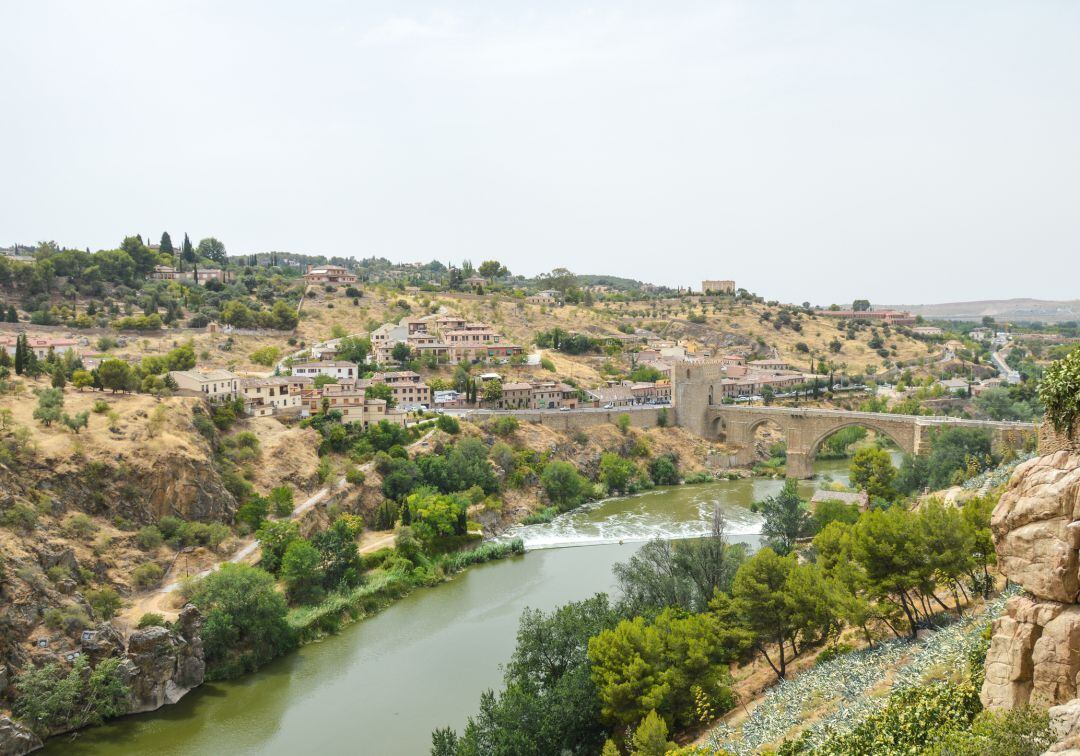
<point x="905" y="445"/>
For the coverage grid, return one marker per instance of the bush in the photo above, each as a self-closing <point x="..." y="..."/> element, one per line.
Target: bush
<point x="151" y="619"/>
<point x="505" y="425"/>
<point x="149" y="538"/>
<point x="70" y="618"/>
<point x="355" y="476"/>
<point x="664" y="471"/>
<point x="564" y="485"/>
<point x="281" y="500"/>
<point x="1059" y="392"/>
<point x="100" y="406"/>
<point x="448" y="424"/>
<point x="52" y="699"/>
<point x="105" y="602"/>
<point x="147" y="575"/>
<point x="19" y="516"/>
<point x="169" y="526"/>
<point x="80" y="525"/>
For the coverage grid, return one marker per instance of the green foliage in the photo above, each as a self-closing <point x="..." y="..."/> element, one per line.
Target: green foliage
<point x="832" y="510"/>
<point x="786" y="518"/>
<point x="651" y="737"/>
<point x="253" y="512"/>
<point x="80" y="525"/>
<point x="646" y="374"/>
<point x="266" y="356"/>
<point x="684" y="574"/>
<point x="547" y="364"/>
<point x="956" y="451"/>
<point x="244" y="625"/>
<point x="433" y="515"/>
<point x="563" y="485"/>
<point x="664" y="471"/>
<point x="151" y="619"/>
<point x="641" y="665"/>
<point x="1059" y="392"/>
<point x="910" y="722"/>
<point x="50" y="406"/>
<point x="1020" y="732"/>
<point x="448" y="424"/>
<point x="51" y="699"/>
<point x="617" y="473"/>
<point x="281" y="500"/>
<point x="872" y="471"/>
<point x="504" y="425"/>
<point x="147" y="575"/>
<point x="19" y="516"/>
<point x="301" y="570"/>
<point x="105" y="602"/>
<point x="274" y="539"/>
<point x="622" y="422"/>
<point x="549" y="703"/>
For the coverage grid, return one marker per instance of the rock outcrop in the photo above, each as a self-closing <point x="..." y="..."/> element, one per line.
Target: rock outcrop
<point x="15" y="740"/>
<point x="162" y="665"/>
<point x="1034" y="655"/>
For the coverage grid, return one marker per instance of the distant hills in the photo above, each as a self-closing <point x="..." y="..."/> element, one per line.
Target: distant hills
<point x="1016" y="310"/>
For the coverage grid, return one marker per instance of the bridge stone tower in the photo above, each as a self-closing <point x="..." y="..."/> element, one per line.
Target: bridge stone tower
<point x="693" y="388"/>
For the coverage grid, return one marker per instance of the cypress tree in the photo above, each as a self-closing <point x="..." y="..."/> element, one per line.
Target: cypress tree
<point x="166" y="246"/>
<point x="20" y="354"/>
<point x="12" y="315"/>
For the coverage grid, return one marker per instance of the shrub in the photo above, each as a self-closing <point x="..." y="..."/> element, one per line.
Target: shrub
<point x="505" y="425"/>
<point x="147" y="575"/>
<point x="58" y="573"/>
<point x="100" y="406"/>
<point x="1059" y="392"/>
<point x="80" y="525"/>
<point x="547" y="364"/>
<point x="448" y="424"/>
<point x="151" y="619"/>
<point x="664" y="471"/>
<point x="169" y="526"/>
<point x="622" y="422"/>
<point x="564" y="485"/>
<point x="19" y="516"/>
<point x="105" y="602"/>
<point x="355" y="476"/>
<point x="70" y="618"/>
<point x="281" y="499"/>
<point x="51" y="699"/>
<point x="149" y="538"/>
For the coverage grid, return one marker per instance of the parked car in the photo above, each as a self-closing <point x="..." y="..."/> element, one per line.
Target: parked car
<point x="609" y="405"/>
<point x="564" y="409"/>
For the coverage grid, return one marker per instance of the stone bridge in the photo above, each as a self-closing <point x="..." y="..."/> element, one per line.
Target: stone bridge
<point x="805" y="429"/>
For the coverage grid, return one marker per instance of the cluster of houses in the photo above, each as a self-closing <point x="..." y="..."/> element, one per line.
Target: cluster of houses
<point x="448" y="338"/>
<point x="885" y="317"/>
<point x="300" y="394"/>
<point x="742" y="377"/>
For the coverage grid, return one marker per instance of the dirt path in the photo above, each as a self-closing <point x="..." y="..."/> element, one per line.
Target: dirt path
<point x="162" y="600"/>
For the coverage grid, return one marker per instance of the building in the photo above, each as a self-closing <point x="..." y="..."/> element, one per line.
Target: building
<point x="351" y="401"/>
<point x="618" y="395"/>
<point x="215" y="385"/>
<point x="164" y="273"/>
<point x="274" y="395"/>
<point x="717" y="287"/>
<point x="648" y="392"/>
<point x="927" y="331"/>
<point x="475" y="281"/>
<point x="41" y="346"/>
<point x="406" y="388"/>
<point x="328" y="274"/>
<point x="887" y="317"/>
<point x="546" y="297"/>
<point x="448" y="399"/>
<point x="342" y="371"/>
<point x="773" y="364"/>
<point x="981" y="334"/>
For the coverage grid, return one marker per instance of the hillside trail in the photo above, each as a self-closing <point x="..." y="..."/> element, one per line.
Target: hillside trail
<point x="160" y="601"/>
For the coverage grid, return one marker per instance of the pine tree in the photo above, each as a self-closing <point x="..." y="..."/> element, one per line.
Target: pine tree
<point x="12" y="315"/>
<point x="166" y="246"/>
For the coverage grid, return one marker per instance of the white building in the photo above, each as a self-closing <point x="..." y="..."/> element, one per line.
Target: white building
<point x="342" y="371"/>
<point x="215" y="385"/>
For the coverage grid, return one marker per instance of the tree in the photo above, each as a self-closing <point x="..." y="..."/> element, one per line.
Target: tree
<point x="1059" y="391"/>
<point x="81" y="379"/>
<point x="114" y="375"/>
<point x="353" y="349"/>
<point x="951" y="452"/>
<point x="274" y="539"/>
<point x="187" y="252"/>
<point x="105" y="602"/>
<point x="58" y="380"/>
<point x="759" y="591"/>
<point x="244" y="625"/>
<point x="872" y="471"/>
<point x="76" y="421"/>
<point x="492" y="269"/>
<point x="786" y="518"/>
<point x="563" y="485"/>
<point x="890" y="547"/>
<point x="301" y="569"/>
<point x="12" y="315"/>
<point x="401" y="352"/>
<point x="651" y="737"/>
<point x="212" y="249"/>
<point x="492" y="391"/>
<point x="860" y="305"/>
<point x="253" y="512"/>
<point x="617" y="472"/>
<point x="50" y="406"/>
<point x="340" y="557"/>
<point x="143" y="259"/>
<point x="52" y="699"/>
<point x="622" y="422"/>
<point x="684" y="574"/>
<point x="664" y="471"/>
<point x="166" y="247"/>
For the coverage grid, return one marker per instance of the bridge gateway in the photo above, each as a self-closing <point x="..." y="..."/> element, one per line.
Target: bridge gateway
<point x="695" y="392"/>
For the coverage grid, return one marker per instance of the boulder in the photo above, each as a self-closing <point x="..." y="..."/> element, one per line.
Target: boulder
<point x="162" y="665"/>
<point x="1036" y="527"/>
<point x="15" y="740"/>
<point x="1065" y="720"/>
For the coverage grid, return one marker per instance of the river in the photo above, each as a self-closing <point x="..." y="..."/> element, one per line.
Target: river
<point x="382" y="685"/>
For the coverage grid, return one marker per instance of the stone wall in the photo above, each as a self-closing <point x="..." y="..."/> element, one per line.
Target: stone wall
<point x="640" y="417"/>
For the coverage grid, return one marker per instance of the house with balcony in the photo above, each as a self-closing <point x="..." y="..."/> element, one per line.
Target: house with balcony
<point x="214" y="385"/>
<point x="339" y="369"/>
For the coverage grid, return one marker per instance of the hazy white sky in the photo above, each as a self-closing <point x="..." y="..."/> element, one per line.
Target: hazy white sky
<point x="905" y="152"/>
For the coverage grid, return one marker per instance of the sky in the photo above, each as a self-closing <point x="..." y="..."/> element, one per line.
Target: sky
<point x="823" y="151"/>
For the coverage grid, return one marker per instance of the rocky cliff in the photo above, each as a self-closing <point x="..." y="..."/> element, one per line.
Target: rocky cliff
<point x="1034" y="655"/>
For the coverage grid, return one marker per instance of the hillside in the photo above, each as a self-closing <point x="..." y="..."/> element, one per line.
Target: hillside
<point x="1004" y="310"/>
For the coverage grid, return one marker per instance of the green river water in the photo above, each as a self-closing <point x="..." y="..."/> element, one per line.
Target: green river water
<point x="382" y="685"/>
